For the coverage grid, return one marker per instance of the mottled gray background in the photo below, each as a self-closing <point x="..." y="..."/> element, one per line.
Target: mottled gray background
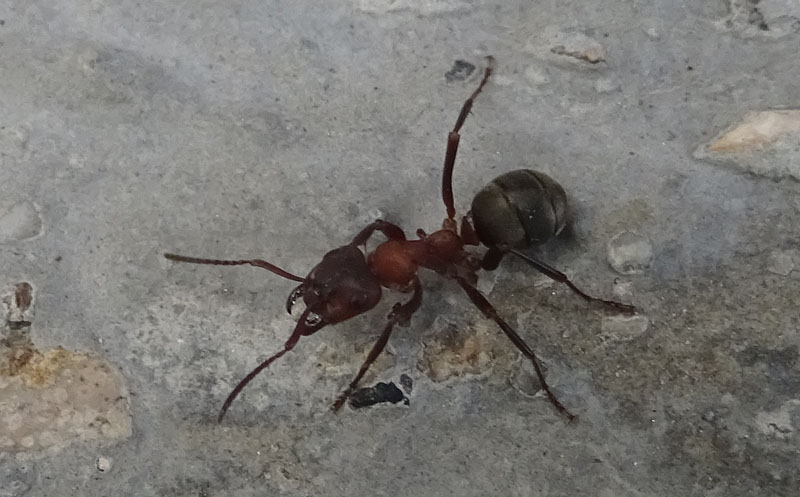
<point x="277" y="129"/>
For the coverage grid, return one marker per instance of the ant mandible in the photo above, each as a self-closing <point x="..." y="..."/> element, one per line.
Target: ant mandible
<point x="516" y="210"/>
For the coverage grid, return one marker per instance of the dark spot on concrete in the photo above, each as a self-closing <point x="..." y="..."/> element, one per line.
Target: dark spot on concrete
<point x="757" y="18"/>
<point x="19" y="310"/>
<point x="309" y="44"/>
<point x="406" y="383"/>
<point x="382" y="392"/>
<point x="780" y="367"/>
<point x="459" y="72"/>
<point x="592" y="57"/>
<point x="752" y="355"/>
<point x="23" y="295"/>
<point x="780" y="429"/>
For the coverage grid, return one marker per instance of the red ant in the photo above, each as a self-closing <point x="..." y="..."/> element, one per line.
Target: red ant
<point x="516" y="210"/>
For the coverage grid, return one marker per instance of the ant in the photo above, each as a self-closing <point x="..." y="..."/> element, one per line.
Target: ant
<point x="516" y="210"/>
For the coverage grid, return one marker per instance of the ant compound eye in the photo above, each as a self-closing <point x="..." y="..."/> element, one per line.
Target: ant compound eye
<point x="313" y="319"/>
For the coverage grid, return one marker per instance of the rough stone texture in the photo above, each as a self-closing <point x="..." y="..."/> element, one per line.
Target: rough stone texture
<point x="278" y="129"/>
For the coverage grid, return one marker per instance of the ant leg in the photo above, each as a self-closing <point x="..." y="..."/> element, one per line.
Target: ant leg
<point x="303" y="328"/>
<point x="560" y="277"/>
<point x="452" y="144"/>
<point x="491" y="259"/>
<point x="253" y="262"/>
<point x="391" y="231"/>
<point x="467" y="232"/>
<point x="490" y="312"/>
<point x="401" y="314"/>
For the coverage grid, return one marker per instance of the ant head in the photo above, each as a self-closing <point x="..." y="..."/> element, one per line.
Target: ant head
<point x="338" y="288"/>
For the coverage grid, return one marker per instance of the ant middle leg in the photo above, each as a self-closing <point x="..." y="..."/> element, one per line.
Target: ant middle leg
<point x="400" y="315"/>
<point x="390" y="230"/>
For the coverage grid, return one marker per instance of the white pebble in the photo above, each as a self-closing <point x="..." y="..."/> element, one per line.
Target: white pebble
<point x="104" y="464"/>
<point x="629" y="253"/>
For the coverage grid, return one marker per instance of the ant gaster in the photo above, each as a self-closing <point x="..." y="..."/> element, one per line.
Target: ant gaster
<point x="516" y="210"/>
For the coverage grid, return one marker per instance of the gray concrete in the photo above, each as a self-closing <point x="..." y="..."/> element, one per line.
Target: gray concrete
<point x="278" y="129"/>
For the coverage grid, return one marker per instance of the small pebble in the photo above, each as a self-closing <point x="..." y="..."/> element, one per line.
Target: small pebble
<point x="629" y="253"/>
<point x="104" y="464"/>
<point x="623" y="328"/>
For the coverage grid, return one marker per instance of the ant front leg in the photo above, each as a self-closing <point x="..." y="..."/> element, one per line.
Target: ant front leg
<point x="490" y="312"/>
<point x="304" y="327"/>
<point x="400" y="315"/>
<point x="453" y="139"/>
<point x="491" y="259"/>
<point x="391" y="231"/>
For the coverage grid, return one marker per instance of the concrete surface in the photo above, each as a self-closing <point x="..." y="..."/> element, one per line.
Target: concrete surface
<point x="277" y="129"/>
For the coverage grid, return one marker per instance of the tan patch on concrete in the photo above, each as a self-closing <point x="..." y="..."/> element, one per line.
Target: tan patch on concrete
<point x="758" y="129"/>
<point x="453" y="353"/>
<point x="763" y="142"/>
<point x="50" y="399"/>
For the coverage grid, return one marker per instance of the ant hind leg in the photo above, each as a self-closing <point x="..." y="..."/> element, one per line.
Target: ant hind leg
<point x="560" y="277"/>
